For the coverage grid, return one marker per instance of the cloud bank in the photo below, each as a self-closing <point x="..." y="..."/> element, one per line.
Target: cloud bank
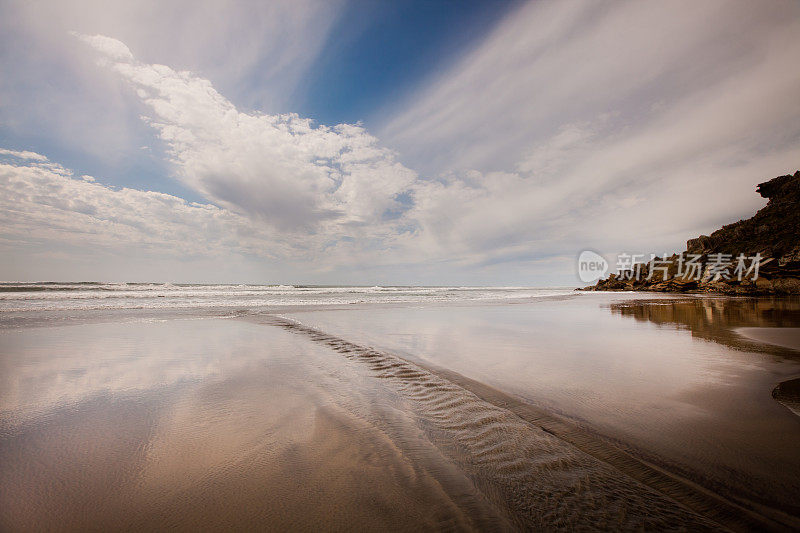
<point x="616" y="127"/>
<point x="41" y="201"/>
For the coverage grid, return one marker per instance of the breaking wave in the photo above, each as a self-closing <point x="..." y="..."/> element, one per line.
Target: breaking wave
<point x="50" y="296"/>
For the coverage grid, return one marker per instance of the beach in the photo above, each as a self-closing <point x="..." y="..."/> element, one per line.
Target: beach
<point x="333" y="266"/>
<point x="410" y="408"/>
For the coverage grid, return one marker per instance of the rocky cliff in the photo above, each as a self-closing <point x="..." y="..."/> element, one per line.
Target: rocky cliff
<point x="726" y="259"/>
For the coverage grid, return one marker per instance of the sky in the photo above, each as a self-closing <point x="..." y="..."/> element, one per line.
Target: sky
<point x="368" y="142"/>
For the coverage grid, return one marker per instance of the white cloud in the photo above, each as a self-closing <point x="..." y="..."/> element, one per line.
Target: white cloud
<point x="52" y="93"/>
<point x="112" y="48"/>
<point x="41" y="202"/>
<point x="23" y="155"/>
<point x="610" y="126"/>
<point x="281" y="169"/>
<point x="625" y="126"/>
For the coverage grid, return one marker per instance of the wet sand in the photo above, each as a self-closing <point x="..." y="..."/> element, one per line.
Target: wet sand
<point x="676" y="387"/>
<point x="304" y="422"/>
<point x="211" y="424"/>
<point x="786" y="337"/>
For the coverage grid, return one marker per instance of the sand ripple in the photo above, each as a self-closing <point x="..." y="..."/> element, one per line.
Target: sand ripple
<point x="544" y="472"/>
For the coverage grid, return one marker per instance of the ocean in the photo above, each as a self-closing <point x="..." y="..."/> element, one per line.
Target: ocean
<point x="51" y="296"/>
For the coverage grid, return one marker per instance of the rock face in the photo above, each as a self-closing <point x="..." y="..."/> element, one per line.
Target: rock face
<point x="724" y="257"/>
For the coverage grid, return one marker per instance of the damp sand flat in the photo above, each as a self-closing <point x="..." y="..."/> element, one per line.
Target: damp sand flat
<point x="266" y="422"/>
<point x="786" y="337"/>
<point x="666" y="379"/>
<point x="221" y="424"/>
<point x="210" y="424"/>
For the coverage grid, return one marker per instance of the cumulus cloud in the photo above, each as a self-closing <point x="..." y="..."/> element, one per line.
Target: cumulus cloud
<point x="41" y="201"/>
<point x="111" y="48"/>
<point x="22" y="154"/>
<point x="53" y="95"/>
<point x="282" y="169"/>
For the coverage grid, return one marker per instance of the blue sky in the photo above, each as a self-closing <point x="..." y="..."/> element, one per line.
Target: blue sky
<point x="374" y="52"/>
<point x="382" y="142"/>
<point x="380" y="50"/>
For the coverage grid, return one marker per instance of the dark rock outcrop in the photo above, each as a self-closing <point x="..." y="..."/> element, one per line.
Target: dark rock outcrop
<point x="773" y="234"/>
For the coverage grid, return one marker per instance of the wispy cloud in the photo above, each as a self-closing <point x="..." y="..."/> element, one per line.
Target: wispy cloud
<point x="624" y="126"/>
<point x="613" y="125"/>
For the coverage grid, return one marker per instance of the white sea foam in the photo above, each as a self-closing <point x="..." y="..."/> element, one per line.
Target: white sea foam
<point x="20" y="297"/>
